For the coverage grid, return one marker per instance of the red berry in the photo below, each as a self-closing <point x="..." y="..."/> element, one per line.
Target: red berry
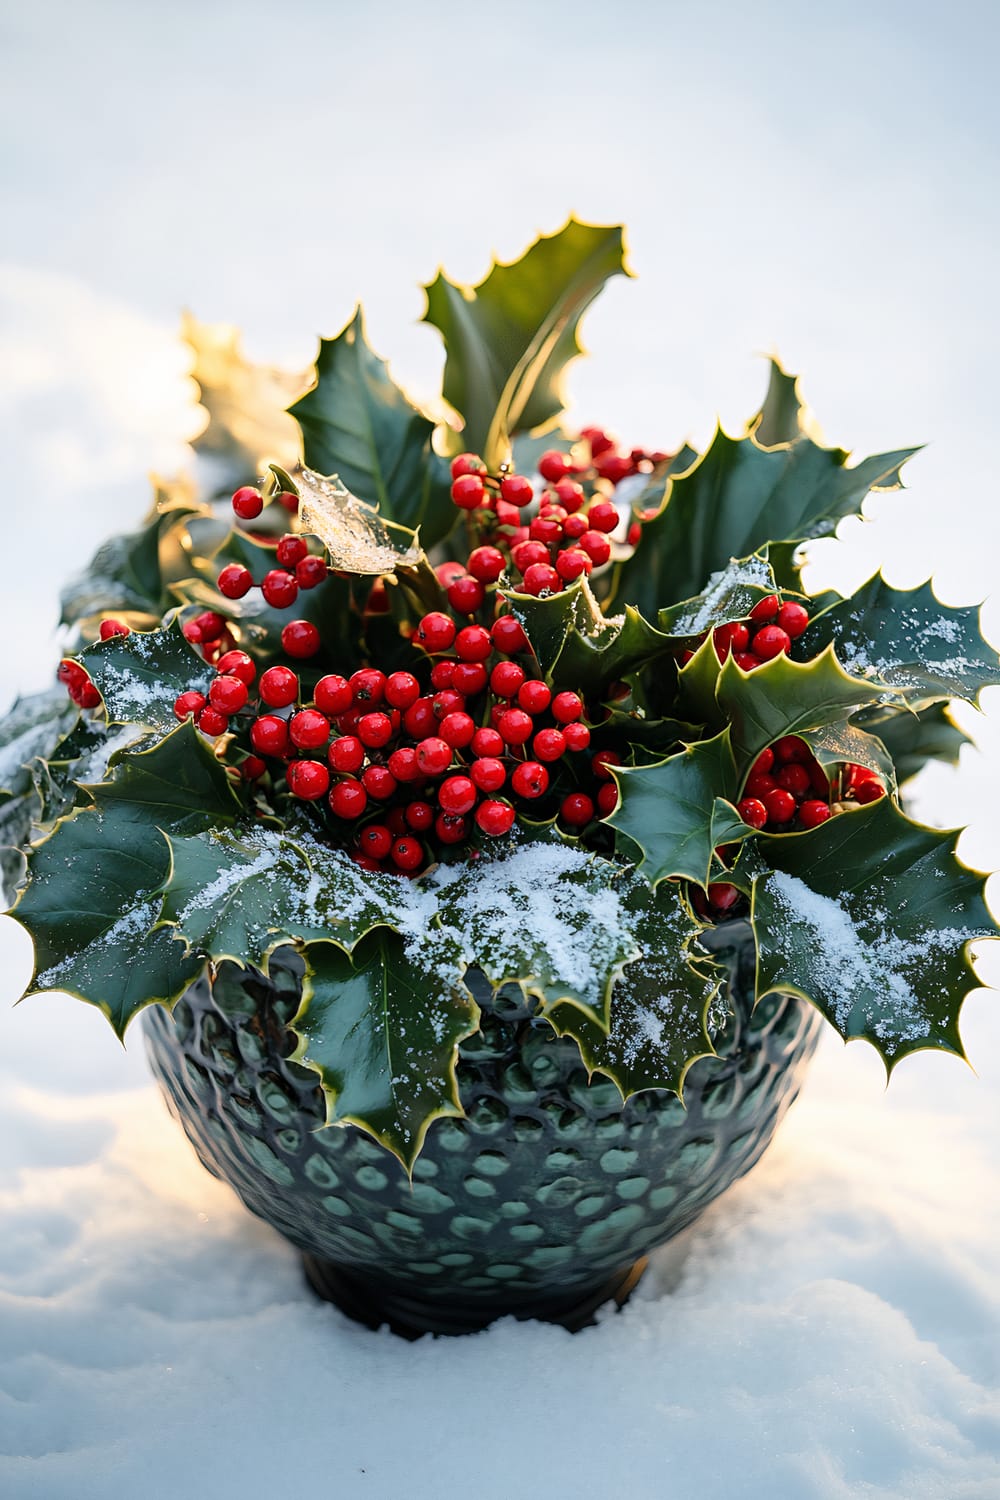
<point x="419" y="816"/>
<point x="279" y="686"/>
<point x="572" y="564"/>
<point x="577" y="810"/>
<point x="346" y="754"/>
<point x="375" y="841"/>
<point x="602" y="516"/>
<point x="348" y="799"/>
<point x="87" y="696"/>
<point x="534" y="696"/>
<point x="473" y="643"/>
<point x="253" y="768"/>
<point x="574" y="527"/>
<point x="570" y="495"/>
<point x="530" y="779"/>
<point x="759" y="783"/>
<point x="457" y="794"/>
<point x="486" y="564"/>
<point x="765" y="609"/>
<point x="310" y="572"/>
<point x="291" y="550"/>
<point x="209" y="625"/>
<point x="108" y="628"/>
<point x="457" y="729"/>
<point x="269" y="735"/>
<point x="442" y="674"/>
<point x="228" y="695"/>
<point x="467" y="463"/>
<point x="780" y="806"/>
<point x="211" y="722"/>
<point x="332" y="694"/>
<point x="601" y="761"/>
<point x="420" y="719"/>
<point x="435" y="631"/>
<point x="596" y="546"/>
<point x="401" y="689"/>
<point x="395" y="821"/>
<point x="468" y="678"/>
<point x="549" y="744"/>
<point x="753" y="812"/>
<point x="505" y="679"/>
<point x="813" y="812"/>
<point x="466" y="594"/>
<point x="793" y="619"/>
<point x="368" y="686"/>
<point x="515" y="725"/>
<point x="508" y="636"/>
<point x="613" y="466"/>
<point x="189" y="703"/>
<point x="237" y="664"/>
<point x="447" y="701"/>
<point x="726" y="638"/>
<point x="433" y="755"/>
<point x="378" y="782"/>
<point x="554" y="465"/>
<point x="247" y="502"/>
<point x="566" y="707"/>
<point x="770" y="642"/>
<point x="407" y="853"/>
<point x="494" y="818"/>
<point x="516" y="490"/>
<point x="577" y="736"/>
<point x="468" y="491"/>
<point x="279" y="588"/>
<point x="487" y="742"/>
<point x="309" y="729"/>
<point x="289" y="500"/>
<point x="403" y="764"/>
<point x="545" y="529"/>
<point x="300" y="639"/>
<point x="746" y="661"/>
<point x="526" y="553"/>
<point x="488" y="773"/>
<point x="541" y="580"/>
<point x="765" y="759"/>
<point x="607" y="798"/>
<point x="791" y="748"/>
<point x="794" y="778"/>
<point x="869" y="791"/>
<point x="722" y="895"/>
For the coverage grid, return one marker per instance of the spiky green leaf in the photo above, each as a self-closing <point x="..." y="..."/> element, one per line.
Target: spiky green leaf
<point x="31" y="727"/>
<point x="913" y="739"/>
<point x="140" y="675"/>
<point x="869" y="917"/>
<point x="780" y="417"/>
<point x="381" y="1026"/>
<point x="578" y="646"/>
<point x="729" y="595"/>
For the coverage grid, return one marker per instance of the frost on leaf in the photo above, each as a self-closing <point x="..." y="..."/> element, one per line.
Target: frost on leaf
<point x="354" y="534"/>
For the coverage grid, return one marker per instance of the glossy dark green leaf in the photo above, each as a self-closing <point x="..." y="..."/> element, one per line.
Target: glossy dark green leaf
<point x="679" y="810"/>
<point x="578" y="647"/>
<point x="659" y="1004"/>
<point x="32" y="726"/>
<point x="738" y="497"/>
<point x="869" y="916"/>
<point x="907" y="638"/>
<point x="779" y="419"/>
<point x="140" y="675"/>
<point x="382" y="1032"/>
<point x="913" y="739"/>
<point x="177" y="785"/>
<point x="787" y="697"/>
<point x="508" y="339"/>
<point x="356" y="423"/>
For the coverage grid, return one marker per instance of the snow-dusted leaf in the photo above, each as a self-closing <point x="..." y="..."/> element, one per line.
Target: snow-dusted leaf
<point x="730" y="594"/>
<point x="787" y="697"/>
<point x="659" y="1004"/>
<point x="356" y="537"/>
<point x="679" y="810"/>
<point x="869" y="916"/>
<point x="546" y="916"/>
<point x="239" y="895"/>
<point x="31" y="727"/>
<point x="381" y="1026"/>
<point x="90" y="908"/>
<point x="141" y="674"/>
<point x="908" y="639"/>
<point x="578" y="646"/>
<point x="177" y="785"/>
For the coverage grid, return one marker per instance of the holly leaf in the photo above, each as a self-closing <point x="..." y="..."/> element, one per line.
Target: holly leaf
<point x="909" y="640"/>
<point x="239" y="895"/>
<point x="734" y="500"/>
<point x="32" y="726"/>
<point x="247" y="424"/>
<point x="383" y="1039"/>
<point x="869" y="917"/>
<point x="729" y="595"/>
<point x="578" y="646"/>
<point x="544" y="916"/>
<point x="508" y="339"/>
<point x="679" y="810"/>
<point x="90" y="907"/>
<point x="787" y="697"/>
<point x="140" y="675"/>
<point x="660" y="1002"/>
<point x="177" y="785"/>
<point x="125" y="575"/>
<point x="357" y="424"/>
<point x="912" y="739"/>
<point x="780" y="419"/>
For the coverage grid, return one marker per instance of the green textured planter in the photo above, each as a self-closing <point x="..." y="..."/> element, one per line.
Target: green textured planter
<point x="541" y="1202"/>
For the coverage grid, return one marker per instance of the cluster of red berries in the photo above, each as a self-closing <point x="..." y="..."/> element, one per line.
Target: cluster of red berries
<point x="788" y="788"/>
<point x="768" y="631"/>
<point x="297" y="567"/>
<point x="76" y="679"/>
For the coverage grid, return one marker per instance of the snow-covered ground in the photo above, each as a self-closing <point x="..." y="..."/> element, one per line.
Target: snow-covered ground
<point x="818" y="183"/>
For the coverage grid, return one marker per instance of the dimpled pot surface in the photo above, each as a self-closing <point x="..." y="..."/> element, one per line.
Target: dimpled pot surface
<point x="538" y="1203"/>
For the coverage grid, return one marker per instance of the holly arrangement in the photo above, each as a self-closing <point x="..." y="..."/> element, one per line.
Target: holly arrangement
<point x="489" y="695"/>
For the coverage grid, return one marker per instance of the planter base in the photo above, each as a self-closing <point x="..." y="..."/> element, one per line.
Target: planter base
<point x="375" y="1304"/>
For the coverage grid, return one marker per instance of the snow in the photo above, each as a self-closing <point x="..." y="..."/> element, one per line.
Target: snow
<point x="830" y="1329"/>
